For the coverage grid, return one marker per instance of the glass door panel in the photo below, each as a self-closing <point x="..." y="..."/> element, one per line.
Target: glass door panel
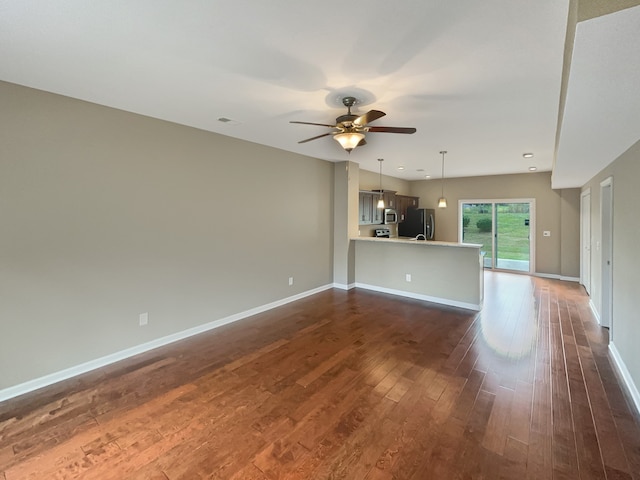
<point x="477" y="228"/>
<point x="512" y="236"/>
<point x="502" y="228"/>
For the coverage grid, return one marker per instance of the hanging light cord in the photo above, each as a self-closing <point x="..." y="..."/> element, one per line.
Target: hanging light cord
<point x="443" y="152"/>
<point x="380" y="160"/>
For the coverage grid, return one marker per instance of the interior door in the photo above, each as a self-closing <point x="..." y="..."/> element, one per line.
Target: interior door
<point x="606" y="199"/>
<point x="585" y="240"/>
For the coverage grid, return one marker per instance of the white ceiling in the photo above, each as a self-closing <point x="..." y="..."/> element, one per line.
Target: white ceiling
<point x="478" y="79"/>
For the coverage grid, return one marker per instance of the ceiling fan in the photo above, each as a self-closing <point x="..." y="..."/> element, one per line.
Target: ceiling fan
<point x="351" y="128"/>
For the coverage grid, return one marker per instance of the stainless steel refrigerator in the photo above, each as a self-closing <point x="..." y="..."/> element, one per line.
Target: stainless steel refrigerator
<point x="418" y="222"/>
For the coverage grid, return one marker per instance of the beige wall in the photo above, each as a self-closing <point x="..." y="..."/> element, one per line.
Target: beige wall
<point x="625" y="329"/>
<point x="570" y="232"/>
<point x="553" y="209"/>
<point x="371" y="181"/>
<point x="345" y="222"/>
<point x="107" y="214"/>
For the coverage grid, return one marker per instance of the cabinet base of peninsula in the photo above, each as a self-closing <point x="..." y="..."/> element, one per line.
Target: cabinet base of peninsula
<point x="446" y="273"/>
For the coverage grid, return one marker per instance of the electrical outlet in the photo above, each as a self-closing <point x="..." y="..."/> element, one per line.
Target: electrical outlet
<point x="407" y="277"/>
<point x="144" y="319"/>
<point x="290" y="281"/>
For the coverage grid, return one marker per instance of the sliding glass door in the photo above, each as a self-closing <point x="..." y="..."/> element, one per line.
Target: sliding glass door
<point x="477" y="225"/>
<point x="503" y="228"/>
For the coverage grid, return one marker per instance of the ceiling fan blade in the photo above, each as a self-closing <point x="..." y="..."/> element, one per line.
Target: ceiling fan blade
<point x="392" y="129"/>
<point x="370" y="116"/>
<point x="314" y="138"/>
<point x="310" y="123"/>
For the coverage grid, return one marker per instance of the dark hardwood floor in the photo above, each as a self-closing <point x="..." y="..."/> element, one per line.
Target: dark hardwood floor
<point x="348" y="385"/>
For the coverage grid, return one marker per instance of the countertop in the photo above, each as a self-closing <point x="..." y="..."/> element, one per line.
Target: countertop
<point x="418" y="242"/>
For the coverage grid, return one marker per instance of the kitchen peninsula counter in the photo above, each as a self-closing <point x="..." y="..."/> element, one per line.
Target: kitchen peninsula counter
<point x="442" y="272"/>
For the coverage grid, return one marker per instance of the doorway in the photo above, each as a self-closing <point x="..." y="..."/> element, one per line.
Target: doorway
<point x="504" y="228"/>
<point x="606" y="216"/>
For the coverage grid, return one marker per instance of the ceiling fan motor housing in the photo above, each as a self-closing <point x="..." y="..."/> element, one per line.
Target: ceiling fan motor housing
<point x="346" y="120"/>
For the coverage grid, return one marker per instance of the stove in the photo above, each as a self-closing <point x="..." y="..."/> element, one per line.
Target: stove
<point x="382" y="233"/>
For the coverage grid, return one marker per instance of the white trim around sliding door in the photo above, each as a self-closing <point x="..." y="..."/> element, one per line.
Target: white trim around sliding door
<point x="532" y="221"/>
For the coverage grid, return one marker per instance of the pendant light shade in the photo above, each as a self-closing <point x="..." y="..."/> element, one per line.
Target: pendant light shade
<point x="349" y="140"/>
<point x="381" y="200"/>
<point x="442" y="202"/>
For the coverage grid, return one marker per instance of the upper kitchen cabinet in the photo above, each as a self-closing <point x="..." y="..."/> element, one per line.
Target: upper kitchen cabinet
<point x="389" y="197"/>
<point x="369" y="213"/>
<point x="403" y="202"/>
<point x="366" y="208"/>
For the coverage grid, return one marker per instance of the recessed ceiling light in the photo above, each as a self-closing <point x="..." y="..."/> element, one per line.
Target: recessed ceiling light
<point x="427" y="176"/>
<point x="533" y="169"/>
<point x="400" y="167"/>
<point x="527" y="155"/>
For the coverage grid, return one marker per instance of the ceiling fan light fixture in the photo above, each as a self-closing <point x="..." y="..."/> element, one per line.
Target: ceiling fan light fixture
<point x="349" y="140"/>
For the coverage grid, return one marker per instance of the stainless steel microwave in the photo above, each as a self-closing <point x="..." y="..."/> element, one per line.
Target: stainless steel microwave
<point x="390" y="216"/>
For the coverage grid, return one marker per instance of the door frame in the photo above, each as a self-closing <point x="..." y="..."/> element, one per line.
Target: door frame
<point x="585" y="240"/>
<point x="532" y="227"/>
<point x="606" y="258"/>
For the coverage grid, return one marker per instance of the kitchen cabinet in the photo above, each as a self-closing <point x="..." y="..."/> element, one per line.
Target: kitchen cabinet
<point x="370" y="214"/>
<point x="388" y="196"/>
<point x="377" y="212"/>
<point x="403" y="202"/>
<point x="389" y="199"/>
<point x="365" y="210"/>
<point x="368" y="211"/>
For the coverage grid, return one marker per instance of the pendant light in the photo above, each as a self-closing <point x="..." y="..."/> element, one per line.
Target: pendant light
<point x="380" y="200"/>
<point x="442" y="202"/>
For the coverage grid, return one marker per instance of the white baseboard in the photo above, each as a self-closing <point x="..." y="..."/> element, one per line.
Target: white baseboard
<point x="557" y="277"/>
<point x="418" y="296"/>
<point x="67" y="373"/>
<point x="342" y="286"/>
<point x="594" y="311"/>
<point x="626" y="376"/>
<point x="570" y="279"/>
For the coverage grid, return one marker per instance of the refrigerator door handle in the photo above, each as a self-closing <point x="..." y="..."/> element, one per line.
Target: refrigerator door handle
<point x="431" y="225"/>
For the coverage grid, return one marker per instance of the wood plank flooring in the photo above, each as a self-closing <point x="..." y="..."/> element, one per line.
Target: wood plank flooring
<point x="348" y="385"/>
